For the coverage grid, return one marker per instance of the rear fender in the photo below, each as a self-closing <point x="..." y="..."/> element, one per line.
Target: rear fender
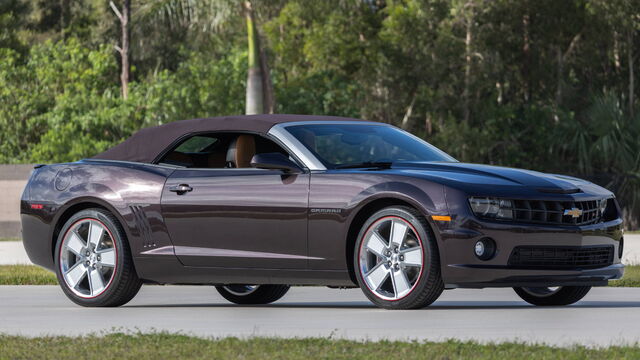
<point x="131" y="192"/>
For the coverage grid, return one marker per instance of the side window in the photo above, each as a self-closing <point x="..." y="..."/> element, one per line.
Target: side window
<point x="197" y="151"/>
<point x="196" y="144"/>
<point x="220" y="150"/>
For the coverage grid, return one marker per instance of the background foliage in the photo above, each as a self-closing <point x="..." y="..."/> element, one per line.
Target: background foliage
<point x="549" y="85"/>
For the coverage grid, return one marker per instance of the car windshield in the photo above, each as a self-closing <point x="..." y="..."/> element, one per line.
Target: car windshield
<point x="348" y="145"/>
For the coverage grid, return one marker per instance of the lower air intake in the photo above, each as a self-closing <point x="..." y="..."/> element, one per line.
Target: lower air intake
<point x="561" y="257"/>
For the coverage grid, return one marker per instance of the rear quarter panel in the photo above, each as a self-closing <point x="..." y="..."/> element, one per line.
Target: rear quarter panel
<point x="131" y="191"/>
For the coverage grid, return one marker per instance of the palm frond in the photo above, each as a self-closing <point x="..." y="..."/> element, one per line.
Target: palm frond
<point x="203" y="15"/>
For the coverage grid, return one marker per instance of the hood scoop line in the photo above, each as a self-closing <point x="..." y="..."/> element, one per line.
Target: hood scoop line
<point x="559" y="191"/>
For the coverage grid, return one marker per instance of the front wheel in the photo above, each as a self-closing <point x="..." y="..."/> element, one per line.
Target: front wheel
<point x="252" y="294"/>
<point x="396" y="260"/>
<point x="552" y="296"/>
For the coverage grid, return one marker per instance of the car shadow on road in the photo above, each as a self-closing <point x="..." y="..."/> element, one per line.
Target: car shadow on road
<point x="490" y="305"/>
<point x="442" y="305"/>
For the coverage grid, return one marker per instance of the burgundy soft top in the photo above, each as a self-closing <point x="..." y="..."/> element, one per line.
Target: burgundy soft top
<point x="146" y="144"/>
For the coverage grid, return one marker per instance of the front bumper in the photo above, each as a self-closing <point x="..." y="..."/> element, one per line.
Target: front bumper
<point x="461" y="268"/>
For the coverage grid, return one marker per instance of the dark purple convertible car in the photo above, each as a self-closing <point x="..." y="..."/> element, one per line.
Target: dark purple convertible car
<point x="254" y="204"/>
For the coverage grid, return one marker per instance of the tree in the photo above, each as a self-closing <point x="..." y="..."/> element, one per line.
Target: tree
<point x="12" y="19"/>
<point x="260" y="97"/>
<point x="209" y="15"/>
<point x="123" y="50"/>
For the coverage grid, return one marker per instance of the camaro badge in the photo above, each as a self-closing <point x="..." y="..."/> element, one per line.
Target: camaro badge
<point x="574" y="212"/>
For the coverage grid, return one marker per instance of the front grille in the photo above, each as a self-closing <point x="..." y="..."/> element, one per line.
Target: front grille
<point x="561" y="257"/>
<point x="552" y="212"/>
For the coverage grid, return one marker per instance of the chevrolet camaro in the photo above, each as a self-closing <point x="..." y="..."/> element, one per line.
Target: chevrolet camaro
<point x="255" y="204"/>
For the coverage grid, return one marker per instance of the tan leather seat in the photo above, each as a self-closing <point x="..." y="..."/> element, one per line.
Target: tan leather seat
<point x="241" y="151"/>
<point x="216" y="160"/>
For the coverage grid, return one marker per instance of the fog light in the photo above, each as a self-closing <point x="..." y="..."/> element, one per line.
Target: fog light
<point x="479" y="248"/>
<point x="485" y="248"/>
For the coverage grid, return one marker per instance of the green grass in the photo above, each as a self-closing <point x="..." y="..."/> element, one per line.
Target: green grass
<point x="26" y="275"/>
<point x="167" y="346"/>
<point x="10" y="239"/>
<point x="631" y="277"/>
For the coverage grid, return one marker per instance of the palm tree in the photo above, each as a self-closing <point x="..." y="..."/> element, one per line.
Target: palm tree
<point x="209" y="15"/>
<point x="605" y="149"/>
<point x="259" y="87"/>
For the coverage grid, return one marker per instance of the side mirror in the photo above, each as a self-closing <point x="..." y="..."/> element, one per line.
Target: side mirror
<point x="274" y="161"/>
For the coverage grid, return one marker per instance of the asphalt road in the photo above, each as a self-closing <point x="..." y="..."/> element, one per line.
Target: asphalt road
<point x="605" y="317"/>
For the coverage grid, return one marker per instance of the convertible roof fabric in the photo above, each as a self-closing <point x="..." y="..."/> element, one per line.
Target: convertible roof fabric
<point x="146" y="144"/>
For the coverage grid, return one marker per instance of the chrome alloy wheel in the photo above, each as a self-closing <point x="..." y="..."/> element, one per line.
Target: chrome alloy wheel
<point x="390" y="258"/>
<point x="240" y="290"/>
<point x="88" y="258"/>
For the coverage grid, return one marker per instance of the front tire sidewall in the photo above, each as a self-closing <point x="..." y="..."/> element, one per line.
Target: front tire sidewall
<point x="429" y="285"/>
<point x="117" y="233"/>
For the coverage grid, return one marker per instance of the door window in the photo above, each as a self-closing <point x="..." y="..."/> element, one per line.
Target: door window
<point x="220" y="150"/>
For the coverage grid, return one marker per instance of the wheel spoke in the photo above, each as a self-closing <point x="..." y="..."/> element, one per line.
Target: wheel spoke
<point x="400" y="283"/>
<point x="76" y="274"/>
<point x="95" y="234"/>
<point x="88" y="261"/>
<point x="376" y="245"/>
<point x="377" y="276"/>
<point x="96" y="283"/>
<point x="76" y="245"/>
<point x="391" y="274"/>
<point x="413" y="257"/>
<point x="398" y="233"/>
<point x="107" y="257"/>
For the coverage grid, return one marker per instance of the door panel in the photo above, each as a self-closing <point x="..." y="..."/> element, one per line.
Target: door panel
<point x="246" y="218"/>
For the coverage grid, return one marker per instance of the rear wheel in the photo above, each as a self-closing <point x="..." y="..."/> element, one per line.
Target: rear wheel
<point x="252" y="294"/>
<point x="93" y="260"/>
<point x="552" y="296"/>
<point x="396" y="260"/>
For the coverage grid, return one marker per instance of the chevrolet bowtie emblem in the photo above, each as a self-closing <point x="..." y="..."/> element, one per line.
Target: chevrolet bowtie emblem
<point x="573" y="212"/>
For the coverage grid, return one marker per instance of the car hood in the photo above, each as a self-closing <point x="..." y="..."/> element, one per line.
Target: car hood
<point x="491" y="176"/>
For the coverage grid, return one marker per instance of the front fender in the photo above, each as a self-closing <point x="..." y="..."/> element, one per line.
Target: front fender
<point x="338" y="203"/>
<point x="428" y="198"/>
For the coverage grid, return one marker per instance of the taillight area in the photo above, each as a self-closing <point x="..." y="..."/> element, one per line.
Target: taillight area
<point x="37" y="206"/>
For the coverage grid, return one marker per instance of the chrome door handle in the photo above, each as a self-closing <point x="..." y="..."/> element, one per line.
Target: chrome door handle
<point x="180" y="189"/>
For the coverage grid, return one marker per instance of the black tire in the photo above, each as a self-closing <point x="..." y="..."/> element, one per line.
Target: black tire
<point x="259" y="294"/>
<point x="429" y="285"/>
<point x="543" y="296"/>
<point x="124" y="284"/>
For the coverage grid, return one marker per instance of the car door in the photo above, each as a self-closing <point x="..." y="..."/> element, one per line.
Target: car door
<point x="237" y="217"/>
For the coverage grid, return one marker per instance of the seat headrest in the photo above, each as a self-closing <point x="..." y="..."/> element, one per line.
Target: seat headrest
<point x="241" y="151"/>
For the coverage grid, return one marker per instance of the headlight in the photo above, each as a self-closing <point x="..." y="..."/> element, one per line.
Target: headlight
<point x="492" y="208"/>
<point x="603" y="206"/>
